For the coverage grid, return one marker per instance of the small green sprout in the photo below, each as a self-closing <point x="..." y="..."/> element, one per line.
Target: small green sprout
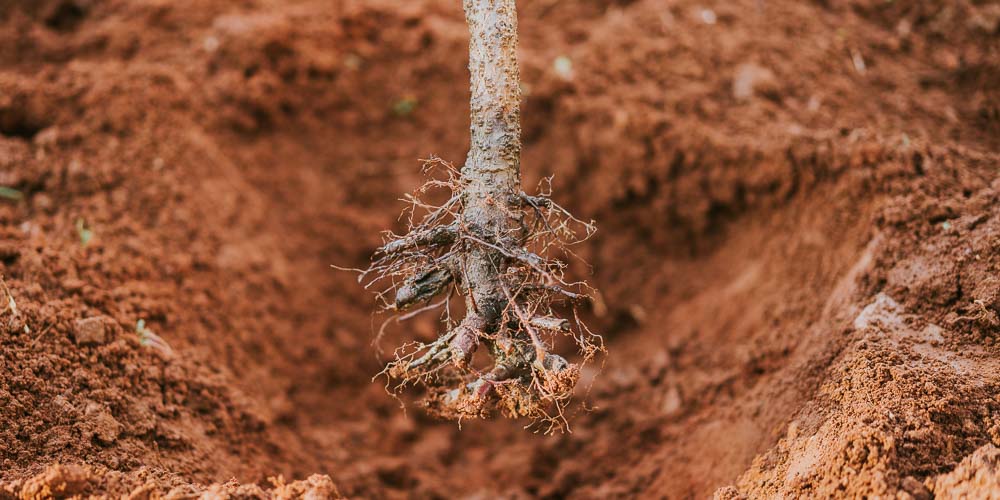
<point x="9" y="193"/>
<point x="563" y="67"/>
<point x="149" y="339"/>
<point x="83" y="232"/>
<point x="353" y="62"/>
<point x="404" y="106"/>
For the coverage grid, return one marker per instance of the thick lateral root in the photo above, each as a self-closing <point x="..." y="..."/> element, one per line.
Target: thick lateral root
<point x="437" y="353"/>
<point x="550" y="323"/>
<point x="438" y="236"/>
<point x="456" y="346"/>
<point x="422" y="287"/>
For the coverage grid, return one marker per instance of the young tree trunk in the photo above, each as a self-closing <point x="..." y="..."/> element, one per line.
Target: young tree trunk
<point x="481" y="244"/>
<point x="492" y="171"/>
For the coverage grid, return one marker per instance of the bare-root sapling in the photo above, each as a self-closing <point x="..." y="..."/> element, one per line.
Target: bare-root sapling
<point x="497" y="249"/>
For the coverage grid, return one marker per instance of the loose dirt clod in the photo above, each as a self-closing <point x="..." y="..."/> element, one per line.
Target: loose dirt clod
<point x="90" y="331"/>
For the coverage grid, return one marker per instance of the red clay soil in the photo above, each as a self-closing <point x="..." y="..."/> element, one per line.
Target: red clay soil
<point x="798" y="255"/>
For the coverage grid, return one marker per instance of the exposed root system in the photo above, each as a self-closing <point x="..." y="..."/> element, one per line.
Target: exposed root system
<point x="525" y="378"/>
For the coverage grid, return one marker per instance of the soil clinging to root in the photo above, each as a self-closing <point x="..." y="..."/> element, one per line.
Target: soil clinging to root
<point x="799" y="279"/>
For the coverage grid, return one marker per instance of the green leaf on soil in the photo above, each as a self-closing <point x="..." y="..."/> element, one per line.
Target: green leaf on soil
<point x="404" y="106"/>
<point x="83" y="232"/>
<point x="9" y="193"/>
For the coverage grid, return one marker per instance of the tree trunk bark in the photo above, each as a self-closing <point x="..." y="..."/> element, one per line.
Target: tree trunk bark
<point x="492" y="170"/>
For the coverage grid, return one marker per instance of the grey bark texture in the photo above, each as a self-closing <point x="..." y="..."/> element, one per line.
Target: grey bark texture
<point x="492" y="171"/>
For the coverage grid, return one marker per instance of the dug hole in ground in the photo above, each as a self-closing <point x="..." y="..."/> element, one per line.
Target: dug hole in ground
<point x="799" y="213"/>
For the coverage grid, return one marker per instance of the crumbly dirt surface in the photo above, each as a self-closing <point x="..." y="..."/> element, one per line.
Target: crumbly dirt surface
<point x="799" y="209"/>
